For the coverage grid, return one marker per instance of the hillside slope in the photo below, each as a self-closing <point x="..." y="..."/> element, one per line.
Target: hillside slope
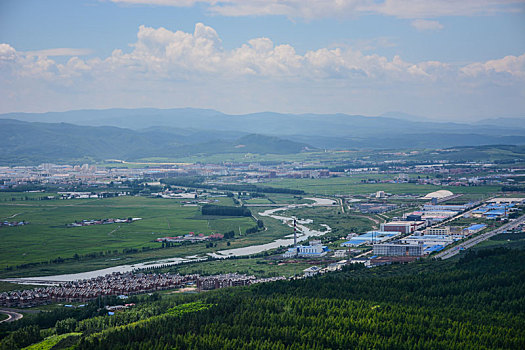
<point x="29" y="143"/>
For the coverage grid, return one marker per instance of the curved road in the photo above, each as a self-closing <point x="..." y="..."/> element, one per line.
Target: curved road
<point x="12" y="316"/>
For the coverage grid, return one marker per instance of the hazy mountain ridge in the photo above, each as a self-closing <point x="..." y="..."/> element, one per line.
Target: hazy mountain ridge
<point x="139" y="133"/>
<point x="268" y="123"/>
<point x="26" y="142"/>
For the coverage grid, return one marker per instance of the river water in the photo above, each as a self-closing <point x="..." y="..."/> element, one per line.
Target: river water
<point x="303" y="234"/>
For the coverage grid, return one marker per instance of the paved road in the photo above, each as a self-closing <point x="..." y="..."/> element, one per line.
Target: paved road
<point x="478" y="239"/>
<point x="12" y="316"/>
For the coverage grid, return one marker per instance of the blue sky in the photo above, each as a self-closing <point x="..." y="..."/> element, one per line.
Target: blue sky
<point x="441" y="59"/>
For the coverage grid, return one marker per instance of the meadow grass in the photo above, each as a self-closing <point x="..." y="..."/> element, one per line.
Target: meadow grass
<point x="352" y="185"/>
<point x="47" y="237"/>
<point x="50" y="342"/>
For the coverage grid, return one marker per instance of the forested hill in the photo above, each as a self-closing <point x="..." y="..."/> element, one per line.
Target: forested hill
<point x="319" y="130"/>
<point x="475" y="303"/>
<point x="30" y="143"/>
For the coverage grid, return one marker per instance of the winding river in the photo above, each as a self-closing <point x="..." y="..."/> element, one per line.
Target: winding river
<point x="303" y="234"/>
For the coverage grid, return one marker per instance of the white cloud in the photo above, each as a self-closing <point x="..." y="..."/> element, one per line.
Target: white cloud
<point x="160" y="53"/>
<point x="439" y="8"/>
<point x="7" y="53"/>
<point x="510" y="66"/>
<point x="166" y="68"/>
<point x="311" y="9"/>
<point x="64" y="51"/>
<point x="424" y="24"/>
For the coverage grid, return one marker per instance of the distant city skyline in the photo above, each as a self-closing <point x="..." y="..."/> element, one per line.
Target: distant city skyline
<point x="441" y="59"/>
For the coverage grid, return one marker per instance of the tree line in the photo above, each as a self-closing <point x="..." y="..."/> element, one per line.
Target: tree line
<point x="222" y="210"/>
<point x="197" y="182"/>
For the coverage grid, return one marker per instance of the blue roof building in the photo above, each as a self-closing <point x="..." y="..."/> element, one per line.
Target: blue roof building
<point x="476" y="228"/>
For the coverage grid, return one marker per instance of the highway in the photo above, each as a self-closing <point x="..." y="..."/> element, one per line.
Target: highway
<point x="449" y="253"/>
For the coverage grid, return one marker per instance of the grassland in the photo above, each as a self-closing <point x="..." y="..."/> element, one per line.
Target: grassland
<point x="6" y="286"/>
<point x="352" y="185"/>
<point x="514" y="240"/>
<point x="52" y="341"/>
<point x="341" y="223"/>
<point x="47" y="237"/>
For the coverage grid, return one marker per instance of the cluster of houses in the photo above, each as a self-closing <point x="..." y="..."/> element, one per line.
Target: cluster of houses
<point x="122" y="285"/>
<point x="83" y="290"/>
<point x="88" y="195"/>
<point x="314" y="270"/>
<point x="231" y="280"/>
<point x="13" y="223"/>
<point x="101" y="222"/>
<point x="223" y="281"/>
<point x="191" y="238"/>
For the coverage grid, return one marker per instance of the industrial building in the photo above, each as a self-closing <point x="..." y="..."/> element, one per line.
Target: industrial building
<point x="430" y="240"/>
<point x="493" y="210"/>
<point x="432" y="216"/>
<point x="475" y="228"/>
<point x="398" y="249"/>
<point x="370" y="237"/>
<point x="404" y="227"/>
<point x="314" y="249"/>
<point x="507" y="200"/>
<point x="447" y="207"/>
<point x="438" y="231"/>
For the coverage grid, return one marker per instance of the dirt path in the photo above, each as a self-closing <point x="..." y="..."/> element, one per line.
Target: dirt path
<point x="112" y="232"/>
<point x="376" y="221"/>
<point x="12" y="216"/>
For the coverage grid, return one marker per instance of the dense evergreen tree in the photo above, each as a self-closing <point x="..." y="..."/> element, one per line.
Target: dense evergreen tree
<point x="221" y="210"/>
<point x="477" y="302"/>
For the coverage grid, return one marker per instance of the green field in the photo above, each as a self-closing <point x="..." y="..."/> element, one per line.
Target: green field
<point x="341" y="223"/>
<point x="352" y="185"/>
<point x="52" y="341"/>
<point x="257" y="201"/>
<point x="47" y="237"/>
<point x="6" y="286"/>
<point x="507" y="240"/>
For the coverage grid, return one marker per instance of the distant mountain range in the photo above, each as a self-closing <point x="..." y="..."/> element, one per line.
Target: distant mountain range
<point x="138" y="133"/>
<point x="30" y="143"/>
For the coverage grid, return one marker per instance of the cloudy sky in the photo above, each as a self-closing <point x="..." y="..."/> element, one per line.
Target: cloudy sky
<point x="443" y="59"/>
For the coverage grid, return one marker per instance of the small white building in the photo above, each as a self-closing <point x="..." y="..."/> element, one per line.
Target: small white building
<point x="315" y="249"/>
<point x="311" y="271"/>
<point x="340" y="253"/>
